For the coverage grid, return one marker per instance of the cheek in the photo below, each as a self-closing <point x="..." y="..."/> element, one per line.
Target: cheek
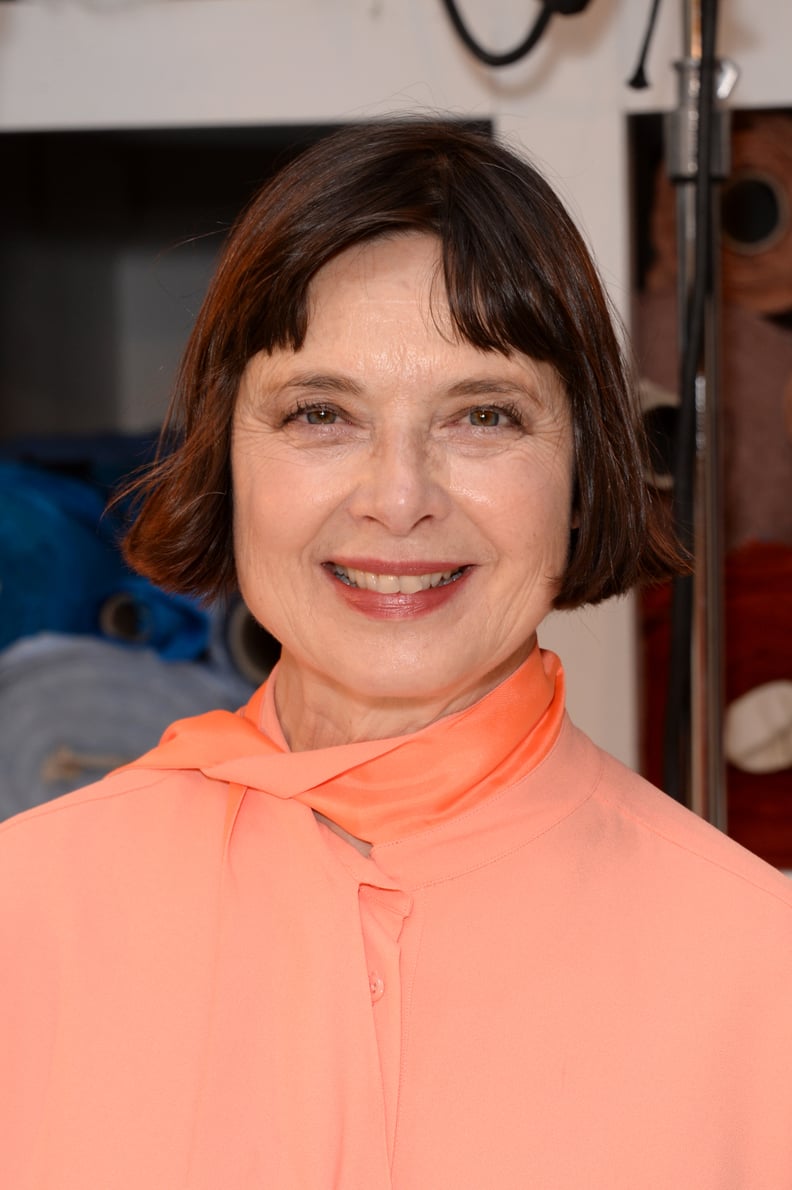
<point x="537" y="513"/>
<point x="278" y="516"/>
<point x="243" y="518"/>
<point x="256" y="531"/>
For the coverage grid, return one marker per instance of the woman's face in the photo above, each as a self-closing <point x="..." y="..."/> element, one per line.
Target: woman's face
<point x="402" y="500"/>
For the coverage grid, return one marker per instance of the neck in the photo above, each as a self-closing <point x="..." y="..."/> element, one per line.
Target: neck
<point x="359" y="844"/>
<point x="315" y="712"/>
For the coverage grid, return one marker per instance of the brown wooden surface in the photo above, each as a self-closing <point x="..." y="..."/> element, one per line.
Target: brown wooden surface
<point x="758" y="584"/>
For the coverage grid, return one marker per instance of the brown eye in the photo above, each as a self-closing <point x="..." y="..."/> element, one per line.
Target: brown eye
<point x="486" y="418"/>
<point x="320" y="416"/>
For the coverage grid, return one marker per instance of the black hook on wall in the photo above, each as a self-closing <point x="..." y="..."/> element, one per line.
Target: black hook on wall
<point x="638" y="80"/>
<point x="549" y="9"/>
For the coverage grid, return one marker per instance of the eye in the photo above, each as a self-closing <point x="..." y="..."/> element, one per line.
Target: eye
<point x="491" y="417"/>
<point x="485" y="418"/>
<point x="312" y="415"/>
<point x="320" y="415"/>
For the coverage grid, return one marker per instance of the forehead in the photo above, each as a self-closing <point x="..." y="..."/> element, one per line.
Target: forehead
<point x="385" y="301"/>
<point x="378" y="316"/>
<point x="400" y="272"/>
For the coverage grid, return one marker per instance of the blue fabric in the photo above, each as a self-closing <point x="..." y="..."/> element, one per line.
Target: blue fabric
<point x="60" y="565"/>
<point x="74" y="707"/>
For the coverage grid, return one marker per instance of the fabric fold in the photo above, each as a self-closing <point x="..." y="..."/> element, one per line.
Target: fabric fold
<point x="381" y="790"/>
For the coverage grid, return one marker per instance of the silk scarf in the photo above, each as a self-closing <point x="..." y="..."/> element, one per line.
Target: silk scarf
<point x="380" y="790"/>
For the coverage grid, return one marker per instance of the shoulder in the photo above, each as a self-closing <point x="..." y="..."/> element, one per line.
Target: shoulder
<point x="132" y="817"/>
<point x="681" y="845"/>
<point x="120" y="792"/>
<point x="119" y="783"/>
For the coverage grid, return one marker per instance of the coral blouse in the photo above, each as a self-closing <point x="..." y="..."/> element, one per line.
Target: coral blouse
<point x="566" y="982"/>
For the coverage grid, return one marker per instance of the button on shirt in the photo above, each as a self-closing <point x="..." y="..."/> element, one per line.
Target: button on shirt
<point x="384" y="914"/>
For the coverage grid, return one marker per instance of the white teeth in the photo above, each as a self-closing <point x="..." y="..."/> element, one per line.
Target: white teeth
<point x="394" y="584"/>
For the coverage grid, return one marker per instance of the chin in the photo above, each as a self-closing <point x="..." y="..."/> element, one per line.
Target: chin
<point x="422" y="684"/>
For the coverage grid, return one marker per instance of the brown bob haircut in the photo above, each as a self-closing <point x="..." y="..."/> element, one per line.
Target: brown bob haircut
<point x="518" y="278"/>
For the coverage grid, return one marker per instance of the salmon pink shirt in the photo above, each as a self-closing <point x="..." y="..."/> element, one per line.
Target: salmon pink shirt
<point x="562" y="980"/>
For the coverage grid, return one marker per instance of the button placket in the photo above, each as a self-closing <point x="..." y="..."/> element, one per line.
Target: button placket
<point x="383" y="913"/>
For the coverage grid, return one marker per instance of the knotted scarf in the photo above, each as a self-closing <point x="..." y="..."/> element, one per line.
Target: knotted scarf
<point x="380" y="790"/>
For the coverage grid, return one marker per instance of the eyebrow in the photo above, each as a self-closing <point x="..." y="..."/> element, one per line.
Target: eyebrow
<point x="323" y="382"/>
<point x="493" y="386"/>
<point x="474" y="387"/>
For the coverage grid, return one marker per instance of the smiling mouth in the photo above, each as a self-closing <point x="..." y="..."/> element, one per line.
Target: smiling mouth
<point x="395" y="584"/>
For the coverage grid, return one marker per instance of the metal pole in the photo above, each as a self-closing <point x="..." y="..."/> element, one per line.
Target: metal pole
<point x="706" y="789"/>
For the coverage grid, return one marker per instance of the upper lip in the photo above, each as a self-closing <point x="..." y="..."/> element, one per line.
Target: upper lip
<point x="381" y="566"/>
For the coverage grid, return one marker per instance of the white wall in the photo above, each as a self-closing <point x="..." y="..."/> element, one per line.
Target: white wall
<point x="126" y="63"/>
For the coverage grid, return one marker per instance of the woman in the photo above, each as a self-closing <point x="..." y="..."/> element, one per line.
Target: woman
<point x="398" y="923"/>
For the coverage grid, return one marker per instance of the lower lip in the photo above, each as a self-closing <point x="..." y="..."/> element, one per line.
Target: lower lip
<point x="398" y="607"/>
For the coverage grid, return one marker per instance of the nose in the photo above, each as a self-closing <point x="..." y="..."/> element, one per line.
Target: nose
<point x="401" y="483"/>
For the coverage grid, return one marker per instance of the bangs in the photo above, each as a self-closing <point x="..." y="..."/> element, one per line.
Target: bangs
<point x="494" y="305"/>
<point x="504" y="286"/>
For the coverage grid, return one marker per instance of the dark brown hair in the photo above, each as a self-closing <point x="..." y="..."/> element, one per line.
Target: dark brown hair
<point x="518" y="277"/>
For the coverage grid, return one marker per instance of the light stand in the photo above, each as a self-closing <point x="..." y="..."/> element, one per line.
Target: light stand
<point x="697" y="150"/>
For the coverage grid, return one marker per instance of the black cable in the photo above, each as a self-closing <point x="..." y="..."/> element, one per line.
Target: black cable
<point x="505" y="59"/>
<point x="638" y="79"/>
<point x="677" y="744"/>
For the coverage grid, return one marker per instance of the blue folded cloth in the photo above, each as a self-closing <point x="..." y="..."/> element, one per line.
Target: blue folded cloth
<point x="61" y="570"/>
<point x="74" y="707"/>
